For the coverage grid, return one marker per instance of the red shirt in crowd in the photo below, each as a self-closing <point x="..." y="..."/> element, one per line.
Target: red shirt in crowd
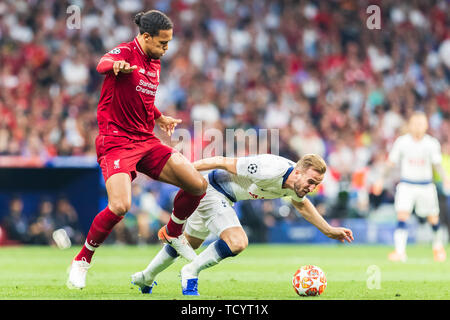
<point x="127" y="101"/>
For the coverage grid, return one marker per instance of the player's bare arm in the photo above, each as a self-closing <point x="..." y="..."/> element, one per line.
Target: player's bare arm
<point x="445" y="178"/>
<point x="310" y="213"/>
<point x="225" y="163"/>
<point x="378" y="185"/>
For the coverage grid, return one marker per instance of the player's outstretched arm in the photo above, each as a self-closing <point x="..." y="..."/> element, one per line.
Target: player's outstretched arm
<point x="224" y="163"/>
<point x="310" y="213"/>
<point x="106" y="65"/>
<point x="445" y="178"/>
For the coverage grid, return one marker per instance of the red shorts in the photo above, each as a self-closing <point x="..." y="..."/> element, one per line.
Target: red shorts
<point x="121" y="154"/>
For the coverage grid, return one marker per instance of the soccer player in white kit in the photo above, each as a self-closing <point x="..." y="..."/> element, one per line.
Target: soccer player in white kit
<point x="417" y="153"/>
<point x="234" y="179"/>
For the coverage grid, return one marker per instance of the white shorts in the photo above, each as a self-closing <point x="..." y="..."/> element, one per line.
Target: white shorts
<point x="423" y="198"/>
<point x="214" y="214"/>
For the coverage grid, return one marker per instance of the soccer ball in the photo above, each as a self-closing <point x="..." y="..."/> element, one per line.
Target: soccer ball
<point x="309" y="281"/>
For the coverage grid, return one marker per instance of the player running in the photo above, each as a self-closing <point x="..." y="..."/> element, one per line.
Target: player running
<point x="126" y="143"/>
<point x="234" y="179"/>
<point x="417" y="153"/>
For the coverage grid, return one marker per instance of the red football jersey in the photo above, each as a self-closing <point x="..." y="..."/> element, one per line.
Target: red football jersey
<point x="126" y="106"/>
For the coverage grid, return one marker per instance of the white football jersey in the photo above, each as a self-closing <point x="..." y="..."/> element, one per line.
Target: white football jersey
<point x="416" y="158"/>
<point x="258" y="177"/>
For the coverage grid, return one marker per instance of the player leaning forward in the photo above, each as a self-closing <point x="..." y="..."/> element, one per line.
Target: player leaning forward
<point x="417" y="153"/>
<point x="126" y="142"/>
<point x="234" y="179"/>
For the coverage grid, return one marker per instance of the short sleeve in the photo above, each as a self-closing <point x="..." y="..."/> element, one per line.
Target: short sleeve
<point x="121" y="52"/>
<point x="394" y="155"/>
<point x="262" y="167"/>
<point x="106" y="63"/>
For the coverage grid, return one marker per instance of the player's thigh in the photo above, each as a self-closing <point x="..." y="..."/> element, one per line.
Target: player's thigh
<point x="404" y="201"/>
<point x="180" y="172"/>
<point x="427" y="203"/>
<point x="213" y="215"/>
<point x="118" y="188"/>
<point x="224" y="223"/>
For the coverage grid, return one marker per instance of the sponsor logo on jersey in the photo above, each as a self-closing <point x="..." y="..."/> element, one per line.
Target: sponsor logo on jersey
<point x="142" y="70"/>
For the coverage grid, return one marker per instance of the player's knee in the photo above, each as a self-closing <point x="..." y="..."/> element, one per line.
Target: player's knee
<point x="402" y="216"/>
<point x="433" y="220"/>
<point x="238" y="244"/>
<point x="198" y="186"/>
<point x="119" y="207"/>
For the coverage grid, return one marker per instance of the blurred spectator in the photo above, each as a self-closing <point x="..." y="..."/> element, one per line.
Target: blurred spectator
<point x="143" y="220"/>
<point x="15" y="224"/>
<point x="67" y="218"/>
<point x="444" y="195"/>
<point x="254" y="220"/>
<point x="42" y="226"/>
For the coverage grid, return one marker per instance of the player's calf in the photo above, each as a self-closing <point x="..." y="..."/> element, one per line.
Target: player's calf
<point x="236" y="239"/>
<point x="119" y="206"/>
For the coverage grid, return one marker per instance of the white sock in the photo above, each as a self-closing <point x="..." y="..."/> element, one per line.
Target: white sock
<point x="160" y="262"/>
<point x="206" y="259"/>
<point x="212" y="255"/>
<point x="400" y="240"/>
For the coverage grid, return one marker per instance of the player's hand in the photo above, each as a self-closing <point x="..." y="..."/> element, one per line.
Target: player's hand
<point x="167" y="124"/>
<point x="341" y="234"/>
<point x="122" y="66"/>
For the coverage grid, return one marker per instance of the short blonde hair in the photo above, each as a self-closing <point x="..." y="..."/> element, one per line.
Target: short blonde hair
<point x="313" y="161"/>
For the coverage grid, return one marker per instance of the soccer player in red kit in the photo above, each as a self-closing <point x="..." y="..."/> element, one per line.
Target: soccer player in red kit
<point x="126" y="143"/>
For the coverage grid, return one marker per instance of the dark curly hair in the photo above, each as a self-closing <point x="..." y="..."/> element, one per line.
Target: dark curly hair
<point x="152" y="21"/>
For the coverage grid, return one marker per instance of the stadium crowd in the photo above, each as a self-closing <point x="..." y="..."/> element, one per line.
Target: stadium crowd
<point x="312" y="69"/>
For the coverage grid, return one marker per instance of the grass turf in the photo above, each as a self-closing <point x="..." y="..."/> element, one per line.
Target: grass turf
<point x="261" y="272"/>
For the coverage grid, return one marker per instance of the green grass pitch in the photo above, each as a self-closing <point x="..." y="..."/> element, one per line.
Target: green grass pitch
<point x="261" y="272"/>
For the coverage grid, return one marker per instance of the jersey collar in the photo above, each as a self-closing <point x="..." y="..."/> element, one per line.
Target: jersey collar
<point x="136" y="42"/>
<point x="286" y="175"/>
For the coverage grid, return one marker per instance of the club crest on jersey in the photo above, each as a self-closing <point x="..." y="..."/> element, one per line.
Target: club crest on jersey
<point x="252" y="168"/>
<point x="116" y="164"/>
<point x="142" y="70"/>
<point x="115" y="51"/>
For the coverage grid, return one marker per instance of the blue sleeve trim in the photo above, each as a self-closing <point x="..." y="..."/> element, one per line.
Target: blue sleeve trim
<point x="212" y="181"/>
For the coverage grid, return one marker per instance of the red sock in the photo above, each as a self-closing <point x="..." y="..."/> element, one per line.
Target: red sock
<point x="184" y="205"/>
<point x="101" y="227"/>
